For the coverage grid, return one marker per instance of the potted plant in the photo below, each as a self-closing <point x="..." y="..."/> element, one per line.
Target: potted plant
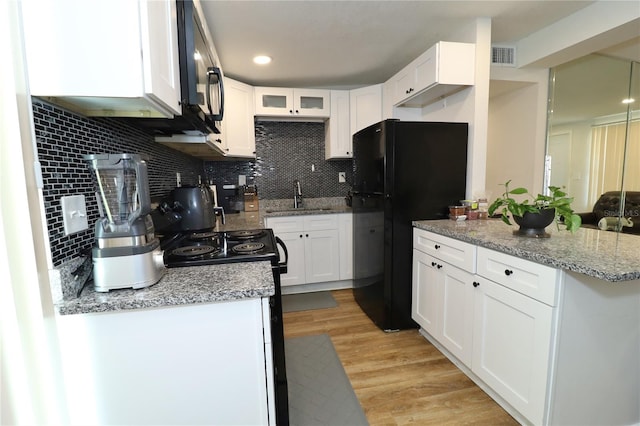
<point x="533" y="214"/>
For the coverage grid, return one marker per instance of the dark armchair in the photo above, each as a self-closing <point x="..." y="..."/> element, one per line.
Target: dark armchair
<point x="608" y="205"/>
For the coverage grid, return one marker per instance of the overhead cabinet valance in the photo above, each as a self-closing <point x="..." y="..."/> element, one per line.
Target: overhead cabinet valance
<point x="444" y="69"/>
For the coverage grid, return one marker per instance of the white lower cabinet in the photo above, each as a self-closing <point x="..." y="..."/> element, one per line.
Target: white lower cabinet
<point x="313" y="246"/>
<point x="443" y="303"/>
<point x="190" y="364"/>
<point x="501" y="328"/>
<point x="511" y="347"/>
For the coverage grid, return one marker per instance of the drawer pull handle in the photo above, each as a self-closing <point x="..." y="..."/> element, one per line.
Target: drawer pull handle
<point x="439" y="266"/>
<point x="476" y="284"/>
<point x="433" y="263"/>
<point x="508" y="272"/>
<point x="437" y="246"/>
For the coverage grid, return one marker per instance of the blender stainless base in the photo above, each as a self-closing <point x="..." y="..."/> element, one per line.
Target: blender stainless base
<point x="131" y="271"/>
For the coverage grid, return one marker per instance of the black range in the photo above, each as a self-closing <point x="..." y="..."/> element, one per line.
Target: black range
<point x="207" y="247"/>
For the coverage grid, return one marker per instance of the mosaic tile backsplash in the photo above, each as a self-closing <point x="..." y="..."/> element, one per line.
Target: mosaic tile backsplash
<point x="285" y="151"/>
<point x="62" y="139"/>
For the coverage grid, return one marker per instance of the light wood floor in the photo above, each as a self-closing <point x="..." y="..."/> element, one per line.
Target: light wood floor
<point x="399" y="378"/>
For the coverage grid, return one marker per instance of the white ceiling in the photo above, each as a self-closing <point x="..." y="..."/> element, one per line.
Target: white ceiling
<point x="342" y="44"/>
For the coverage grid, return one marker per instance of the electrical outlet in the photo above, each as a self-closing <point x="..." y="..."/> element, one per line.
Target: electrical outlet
<point x="74" y="214"/>
<point x="178" y="180"/>
<point x="342" y="177"/>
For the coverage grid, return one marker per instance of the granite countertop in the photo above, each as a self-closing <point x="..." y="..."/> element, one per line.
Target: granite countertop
<point x="181" y="286"/>
<point x="199" y="284"/>
<point x="606" y="255"/>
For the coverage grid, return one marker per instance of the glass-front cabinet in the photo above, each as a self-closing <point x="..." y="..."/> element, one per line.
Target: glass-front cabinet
<point x="287" y="102"/>
<point x="593" y="139"/>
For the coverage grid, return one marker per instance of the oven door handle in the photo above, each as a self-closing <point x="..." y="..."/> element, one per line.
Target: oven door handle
<point x="283" y="265"/>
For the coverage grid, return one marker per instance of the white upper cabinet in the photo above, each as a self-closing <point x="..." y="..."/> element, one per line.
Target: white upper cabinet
<point x="337" y="129"/>
<point x="366" y="107"/>
<point x="286" y="102"/>
<point x="238" y="124"/>
<point x="440" y="71"/>
<point x="104" y="58"/>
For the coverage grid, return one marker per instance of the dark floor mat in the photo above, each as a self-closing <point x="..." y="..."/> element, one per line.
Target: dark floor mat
<point x="320" y="392"/>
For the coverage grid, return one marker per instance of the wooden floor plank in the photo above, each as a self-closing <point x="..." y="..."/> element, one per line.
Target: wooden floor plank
<point x="400" y="378"/>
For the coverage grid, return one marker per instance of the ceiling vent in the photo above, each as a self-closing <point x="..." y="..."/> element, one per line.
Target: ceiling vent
<point x="503" y="55"/>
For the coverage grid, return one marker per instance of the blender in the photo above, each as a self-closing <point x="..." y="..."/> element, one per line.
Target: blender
<point x="126" y="253"/>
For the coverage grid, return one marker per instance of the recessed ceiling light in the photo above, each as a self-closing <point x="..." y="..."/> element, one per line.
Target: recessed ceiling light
<point x="628" y="101"/>
<point x="262" y="59"/>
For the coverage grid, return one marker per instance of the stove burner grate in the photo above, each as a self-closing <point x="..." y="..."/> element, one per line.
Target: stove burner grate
<point x="194" y="251"/>
<point x="245" y="235"/>
<point x="246" y="248"/>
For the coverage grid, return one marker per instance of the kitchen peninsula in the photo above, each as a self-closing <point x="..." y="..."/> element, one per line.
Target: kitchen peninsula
<point x="550" y="328"/>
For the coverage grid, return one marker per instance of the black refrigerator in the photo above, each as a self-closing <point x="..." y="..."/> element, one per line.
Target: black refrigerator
<point x="403" y="171"/>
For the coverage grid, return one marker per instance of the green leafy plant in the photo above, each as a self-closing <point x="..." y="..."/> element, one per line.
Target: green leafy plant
<point x="558" y="200"/>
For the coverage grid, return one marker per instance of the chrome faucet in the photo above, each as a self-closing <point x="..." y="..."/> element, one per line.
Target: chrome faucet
<point x="297" y="195"/>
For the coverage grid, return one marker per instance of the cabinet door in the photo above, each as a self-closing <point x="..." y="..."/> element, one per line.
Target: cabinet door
<point x="216" y="350"/>
<point x="366" y="107"/>
<point x="273" y="101"/>
<point x="426" y="68"/>
<point x="337" y="130"/>
<point x="442" y="303"/>
<point x="159" y="35"/>
<point x="403" y="83"/>
<point x="322" y="261"/>
<point x="311" y="103"/>
<point x="457" y="313"/>
<point x="426" y="292"/>
<point x="295" y="243"/>
<point x="512" y="338"/>
<point x="239" y="129"/>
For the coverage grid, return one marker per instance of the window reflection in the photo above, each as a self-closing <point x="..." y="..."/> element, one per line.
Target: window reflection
<point x="593" y="140"/>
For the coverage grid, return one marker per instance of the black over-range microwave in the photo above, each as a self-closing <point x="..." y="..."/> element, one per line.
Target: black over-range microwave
<point x="201" y="80"/>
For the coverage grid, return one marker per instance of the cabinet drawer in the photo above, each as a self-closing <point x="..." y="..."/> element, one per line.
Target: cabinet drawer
<point x="537" y="281"/>
<point x="285" y="224"/>
<point x="318" y="222"/>
<point x="455" y="252"/>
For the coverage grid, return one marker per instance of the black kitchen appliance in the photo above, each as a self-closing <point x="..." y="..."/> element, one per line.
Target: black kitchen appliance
<point x="403" y="171"/>
<point x="195" y="206"/>
<point x="210" y="248"/>
<point x="201" y="80"/>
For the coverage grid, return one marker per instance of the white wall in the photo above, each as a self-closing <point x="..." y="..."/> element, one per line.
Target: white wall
<point x="516" y="142"/>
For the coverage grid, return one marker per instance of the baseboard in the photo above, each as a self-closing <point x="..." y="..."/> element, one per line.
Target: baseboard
<point x="312" y="287"/>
